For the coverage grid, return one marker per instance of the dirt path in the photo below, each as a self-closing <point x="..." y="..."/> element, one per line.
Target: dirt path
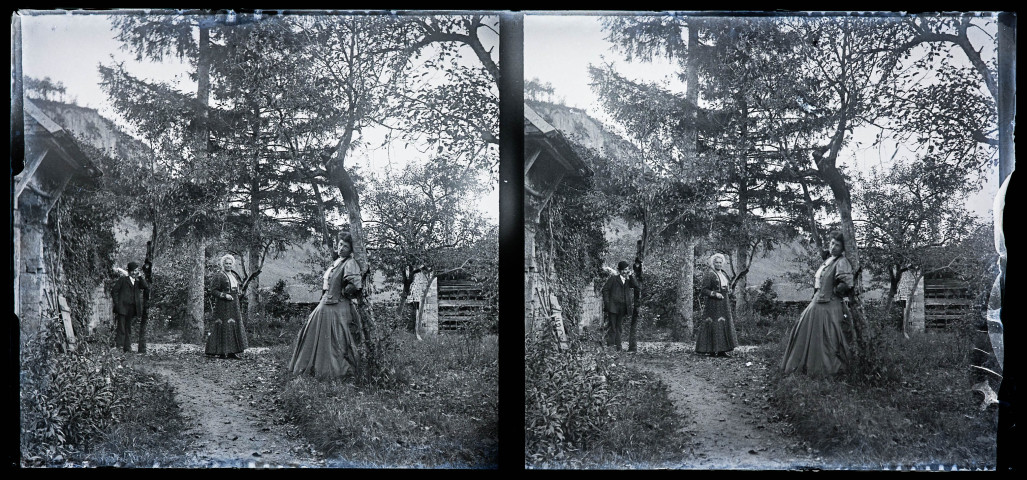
<point x="724" y="402"/>
<point x="226" y="402"/>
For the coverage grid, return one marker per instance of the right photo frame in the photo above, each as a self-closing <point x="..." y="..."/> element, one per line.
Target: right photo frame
<point x="767" y="241"/>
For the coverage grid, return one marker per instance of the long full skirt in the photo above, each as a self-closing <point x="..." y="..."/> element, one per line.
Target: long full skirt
<point x="324" y="346"/>
<point x="227" y="333"/>
<point x="816" y="343"/>
<point x="716" y="329"/>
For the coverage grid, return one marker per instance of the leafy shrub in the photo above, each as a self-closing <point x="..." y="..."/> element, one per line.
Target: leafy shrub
<point x="378" y="358"/>
<point x="68" y="400"/>
<point x="644" y="415"/>
<point x="276" y="302"/>
<point x="568" y="401"/>
<point x="765" y="302"/>
<point x="583" y="404"/>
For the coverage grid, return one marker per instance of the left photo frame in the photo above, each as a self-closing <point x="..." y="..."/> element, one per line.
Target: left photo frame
<point x="256" y="240"/>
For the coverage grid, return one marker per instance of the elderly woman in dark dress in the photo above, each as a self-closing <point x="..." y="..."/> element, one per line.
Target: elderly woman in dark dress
<point x="816" y="343"/>
<point x="324" y="346"/>
<point x="227" y="336"/>
<point x="715" y="334"/>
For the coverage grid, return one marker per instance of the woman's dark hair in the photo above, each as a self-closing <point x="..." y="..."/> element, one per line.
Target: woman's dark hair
<point x="346" y="237"/>
<point x="838" y="237"/>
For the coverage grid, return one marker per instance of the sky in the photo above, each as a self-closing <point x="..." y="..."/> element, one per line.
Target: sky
<point x="559" y="49"/>
<point x="68" y="48"/>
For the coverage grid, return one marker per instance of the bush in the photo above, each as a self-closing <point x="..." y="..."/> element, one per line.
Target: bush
<point x="582" y="406"/>
<point x="568" y="401"/>
<point x="68" y="400"/>
<point x="765" y="302"/>
<point x="276" y="302"/>
<point x="378" y="358"/>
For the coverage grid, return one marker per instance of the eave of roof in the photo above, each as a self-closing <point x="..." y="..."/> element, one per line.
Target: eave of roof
<point x="538" y="129"/>
<point x="69" y="149"/>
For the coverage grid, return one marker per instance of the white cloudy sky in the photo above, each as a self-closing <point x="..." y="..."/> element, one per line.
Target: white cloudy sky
<point x="68" y="47"/>
<point x="558" y="48"/>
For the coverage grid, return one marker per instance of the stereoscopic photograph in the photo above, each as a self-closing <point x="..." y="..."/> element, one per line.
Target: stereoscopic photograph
<point x="256" y="240"/>
<point x="769" y="241"/>
<point x="764" y="242"/>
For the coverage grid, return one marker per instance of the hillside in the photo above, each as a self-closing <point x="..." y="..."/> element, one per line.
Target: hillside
<point x="581" y="128"/>
<point x="88" y="126"/>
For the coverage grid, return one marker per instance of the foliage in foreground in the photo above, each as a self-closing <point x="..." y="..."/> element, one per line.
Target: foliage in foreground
<point x="583" y="403"/>
<point x="441" y="410"/>
<point x="916" y="406"/>
<point x="86" y="407"/>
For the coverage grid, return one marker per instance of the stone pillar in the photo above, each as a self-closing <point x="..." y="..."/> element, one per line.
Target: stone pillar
<point x="917" y="311"/>
<point x="530" y="300"/>
<point x="30" y="222"/>
<point x="16" y="243"/>
<point x="430" y="316"/>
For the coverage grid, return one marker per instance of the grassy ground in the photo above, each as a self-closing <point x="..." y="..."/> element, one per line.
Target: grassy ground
<point x="918" y="408"/>
<point x="442" y="412"/>
<point x="439" y="410"/>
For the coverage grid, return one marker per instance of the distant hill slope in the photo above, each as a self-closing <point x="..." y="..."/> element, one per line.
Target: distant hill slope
<point x="578" y="126"/>
<point x="92" y="128"/>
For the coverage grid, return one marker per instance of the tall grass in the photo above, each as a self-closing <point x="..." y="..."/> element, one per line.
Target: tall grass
<point x="440" y="408"/>
<point x="915" y="405"/>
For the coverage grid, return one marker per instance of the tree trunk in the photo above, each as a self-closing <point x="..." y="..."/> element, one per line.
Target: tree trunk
<point x="742" y="254"/>
<point x="843" y="202"/>
<point x="253" y="306"/>
<point x="148" y="271"/>
<point x="402" y="307"/>
<point x="740" y="283"/>
<point x="419" y="318"/>
<point x="404" y="293"/>
<point x="193" y="332"/>
<point x="685" y="321"/>
<point x="341" y="178"/>
<point x="637" y="268"/>
<point x="811" y="217"/>
<point x="893" y="289"/>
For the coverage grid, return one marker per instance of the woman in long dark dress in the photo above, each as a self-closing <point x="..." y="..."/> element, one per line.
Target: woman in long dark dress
<point x="716" y="332"/>
<point x="816" y="343"/>
<point x="324" y="346"/>
<point x="227" y="336"/>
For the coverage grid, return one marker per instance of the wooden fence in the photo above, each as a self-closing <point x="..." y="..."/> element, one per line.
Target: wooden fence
<point x="459" y="303"/>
